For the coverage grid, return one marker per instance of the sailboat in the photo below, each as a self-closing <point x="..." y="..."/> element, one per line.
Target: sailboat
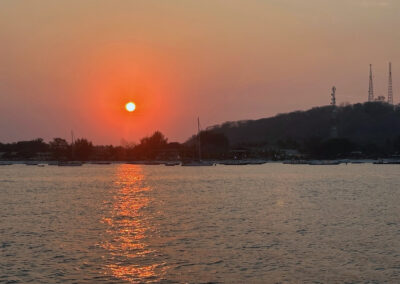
<point x="70" y="163"/>
<point x="199" y="162"/>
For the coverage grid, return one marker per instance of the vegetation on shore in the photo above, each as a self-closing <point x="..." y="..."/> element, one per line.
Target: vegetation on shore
<point x="368" y="130"/>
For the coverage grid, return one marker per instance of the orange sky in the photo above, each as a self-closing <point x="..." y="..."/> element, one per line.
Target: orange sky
<point x="72" y="65"/>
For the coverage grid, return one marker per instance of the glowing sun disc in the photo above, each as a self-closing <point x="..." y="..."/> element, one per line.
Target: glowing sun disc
<point x="130" y="106"/>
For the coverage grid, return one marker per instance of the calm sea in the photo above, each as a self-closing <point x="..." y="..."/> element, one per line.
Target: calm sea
<point x="230" y="224"/>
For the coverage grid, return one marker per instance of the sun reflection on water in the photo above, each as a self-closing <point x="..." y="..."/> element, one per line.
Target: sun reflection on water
<point x="131" y="259"/>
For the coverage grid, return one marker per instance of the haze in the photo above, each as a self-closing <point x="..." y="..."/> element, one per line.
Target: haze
<point x="72" y="65"/>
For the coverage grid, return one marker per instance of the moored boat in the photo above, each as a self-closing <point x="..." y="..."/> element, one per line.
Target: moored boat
<point x="197" y="164"/>
<point x="235" y="163"/>
<point x="171" y="164"/>
<point x="70" y="164"/>
<point x="324" y="163"/>
<point x="296" y="162"/>
<point x="387" y="162"/>
<point x="256" y="162"/>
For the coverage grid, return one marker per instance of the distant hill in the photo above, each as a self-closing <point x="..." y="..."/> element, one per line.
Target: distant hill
<point x="371" y="123"/>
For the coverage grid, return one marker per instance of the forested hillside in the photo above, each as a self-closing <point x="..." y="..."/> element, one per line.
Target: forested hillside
<point x="373" y="124"/>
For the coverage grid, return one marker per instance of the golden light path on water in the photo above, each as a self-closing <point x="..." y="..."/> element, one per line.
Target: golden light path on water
<point x="128" y="226"/>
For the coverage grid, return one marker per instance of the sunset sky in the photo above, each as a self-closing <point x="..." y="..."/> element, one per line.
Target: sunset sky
<point x="73" y="65"/>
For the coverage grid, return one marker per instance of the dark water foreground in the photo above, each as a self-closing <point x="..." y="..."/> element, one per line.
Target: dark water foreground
<point x="257" y="224"/>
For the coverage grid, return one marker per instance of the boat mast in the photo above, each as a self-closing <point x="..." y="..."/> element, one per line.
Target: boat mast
<point x="72" y="145"/>
<point x="198" y="137"/>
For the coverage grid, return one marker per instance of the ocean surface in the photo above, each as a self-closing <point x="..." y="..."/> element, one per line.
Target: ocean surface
<point x="224" y="224"/>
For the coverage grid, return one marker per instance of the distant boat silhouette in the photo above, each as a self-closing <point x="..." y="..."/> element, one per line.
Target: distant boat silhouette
<point x="171" y="164"/>
<point x="70" y="164"/>
<point x="324" y="163"/>
<point x="199" y="162"/>
<point x="387" y="162"/>
<point x="235" y="163"/>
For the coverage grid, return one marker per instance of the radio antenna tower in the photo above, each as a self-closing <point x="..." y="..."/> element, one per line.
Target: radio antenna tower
<point x="371" y="86"/>
<point x="333" y="96"/>
<point x="390" y="90"/>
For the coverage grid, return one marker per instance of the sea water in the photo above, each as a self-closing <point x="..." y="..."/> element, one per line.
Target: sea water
<point x="225" y="224"/>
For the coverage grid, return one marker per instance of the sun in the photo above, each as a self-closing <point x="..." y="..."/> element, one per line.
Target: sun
<point x="130" y="106"/>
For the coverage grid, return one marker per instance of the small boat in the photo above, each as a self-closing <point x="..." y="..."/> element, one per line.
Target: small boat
<point x="235" y="163"/>
<point x="70" y="164"/>
<point x="296" y="162"/>
<point x="31" y="163"/>
<point x="387" y="162"/>
<point x="324" y="163"/>
<point x="256" y="162"/>
<point x="197" y="164"/>
<point x="41" y="165"/>
<point x="171" y="164"/>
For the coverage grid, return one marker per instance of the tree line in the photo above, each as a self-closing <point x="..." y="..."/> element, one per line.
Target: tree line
<point x="369" y="130"/>
<point x="152" y="147"/>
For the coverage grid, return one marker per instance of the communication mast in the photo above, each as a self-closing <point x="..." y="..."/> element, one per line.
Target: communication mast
<point x="333" y="97"/>
<point x="371" y="86"/>
<point x="390" y="90"/>
<point x="334" y="114"/>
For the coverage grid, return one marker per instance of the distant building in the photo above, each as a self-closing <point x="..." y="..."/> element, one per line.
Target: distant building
<point x="9" y="155"/>
<point x="292" y="153"/>
<point x="381" y="99"/>
<point x="42" y="156"/>
<point x="240" y="153"/>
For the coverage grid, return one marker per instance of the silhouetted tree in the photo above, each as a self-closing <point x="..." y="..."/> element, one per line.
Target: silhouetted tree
<point x="59" y="148"/>
<point x="154" y="141"/>
<point x="82" y="149"/>
<point x="148" y="147"/>
<point x="27" y="149"/>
